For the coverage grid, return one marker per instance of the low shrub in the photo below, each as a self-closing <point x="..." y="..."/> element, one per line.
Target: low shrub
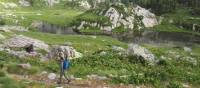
<point x="2" y="21"/>
<point x="120" y="29"/>
<point x="6" y="82"/>
<point x="195" y="11"/>
<point x="2" y="74"/>
<point x="15" y="69"/>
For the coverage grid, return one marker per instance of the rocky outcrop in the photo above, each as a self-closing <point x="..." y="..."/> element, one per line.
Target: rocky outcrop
<point x="7" y="28"/>
<point x="36" y="24"/>
<point x="119" y="49"/>
<point x="96" y="77"/>
<point x="25" y="66"/>
<point x="140" y="51"/>
<point x="24" y="3"/>
<point x="187" y="49"/>
<point x="84" y="4"/>
<point x="149" y="19"/>
<point x="8" y="5"/>
<point x="52" y="76"/>
<point x="21" y="54"/>
<point x="70" y="51"/>
<point x="87" y="4"/>
<point x="51" y="3"/>
<point x="20" y="41"/>
<point x="121" y="16"/>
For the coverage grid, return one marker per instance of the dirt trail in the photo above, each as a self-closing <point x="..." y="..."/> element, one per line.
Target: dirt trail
<point x="83" y="83"/>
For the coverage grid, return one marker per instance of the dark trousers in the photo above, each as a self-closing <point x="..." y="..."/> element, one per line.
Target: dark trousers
<point x="62" y="72"/>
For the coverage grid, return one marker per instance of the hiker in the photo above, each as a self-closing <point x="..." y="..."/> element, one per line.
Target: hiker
<point x="29" y="48"/>
<point x="64" y="65"/>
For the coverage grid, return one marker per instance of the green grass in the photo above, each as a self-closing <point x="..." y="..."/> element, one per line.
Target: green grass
<point x="120" y="29"/>
<point x="91" y="30"/>
<point x="61" y="17"/>
<point x="171" y="28"/>
<point x="166" y="73"/>
<point x="182" y="15"/>
<point x="6" y="82"/>
<point x="83" y="43"/>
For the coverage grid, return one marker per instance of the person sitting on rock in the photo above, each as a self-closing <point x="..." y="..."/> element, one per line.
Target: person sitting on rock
<point x="64" y="65"/>
<point x="30" y="48"/>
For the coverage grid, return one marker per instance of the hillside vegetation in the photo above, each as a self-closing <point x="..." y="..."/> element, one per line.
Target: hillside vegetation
<point x="104" y="61"/>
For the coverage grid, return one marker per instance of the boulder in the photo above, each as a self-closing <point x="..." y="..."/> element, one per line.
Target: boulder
<point x="113" y="15"/>
<point x="121" y="16"/>
<point x="73" y="54"/>
<point x="51" y="2"/>
<point x="21" y="54"/>
<point x="52" y="76"/>
<point x="137" y="50"/>
<point x="43" y="73"/>
<point x="190" y="59"/>
<point x="8" y="5"/>
<point x="25" y="66"/>
<point x="103" y="53"/>
<point x="149" y="19"/>
<point x="186" y="86"/>
<point x="4" y="29"/>
<point x="187" y="49"/>
<point x="20" y="41"/>
<point x="116" y="48"/>
<point x="36" y="24"/>
<point x="94" y="37"/>
<point x="96" y="77"/>
<point x="8" y="28"/>
<point x="84" y="4"/>
<point x="24" y="3"/>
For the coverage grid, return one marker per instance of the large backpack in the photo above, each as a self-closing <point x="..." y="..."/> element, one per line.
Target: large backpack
<point x="66" y="64"/>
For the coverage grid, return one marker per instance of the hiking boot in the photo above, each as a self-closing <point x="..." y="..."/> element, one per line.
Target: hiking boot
<point x="68" y="81"/>
<point x="59" y="82"/>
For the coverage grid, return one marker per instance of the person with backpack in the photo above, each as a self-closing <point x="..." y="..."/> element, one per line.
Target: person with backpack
<point x="64" y="65"/>
<point x="29" y="48"/>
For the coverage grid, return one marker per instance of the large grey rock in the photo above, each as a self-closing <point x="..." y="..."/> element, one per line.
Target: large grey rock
<point x="52" y="76"/>
<point x="187" y="49"/>
<point x="36" y="24"/>
<point x="20" y="54"/>
<point x="135" y="49"/>
<point x="103" y="53"/>
<point x="116" y="48"/>
<point x="70" y="51"/>
<point x="4" y="29"/>
<point x="25" y="66"/>
<point x="96" y="77"/>
<point x="8" y="5"/>
<point x="129" y="19"/>
<point x="149" y="19"/>
<point x="113" y="15"/>
<point x="20" y="41"/>
<point x="8" y="28"/>
<point x="24" y="3"/>
<point x="52" y="2"/>
<point x="85" y="4"/>
<point x="190" y="59"/>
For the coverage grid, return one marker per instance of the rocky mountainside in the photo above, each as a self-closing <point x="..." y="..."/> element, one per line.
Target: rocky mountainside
<point x="115" y="17"/>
